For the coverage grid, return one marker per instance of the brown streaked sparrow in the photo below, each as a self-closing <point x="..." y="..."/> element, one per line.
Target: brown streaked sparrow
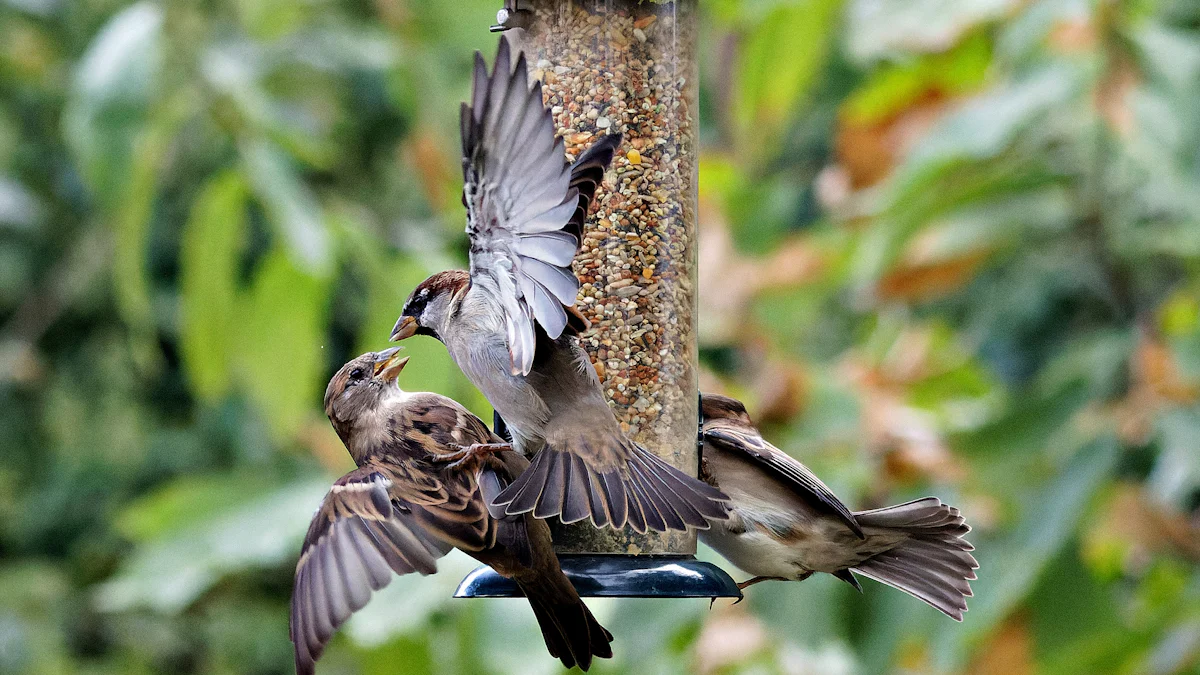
<point x="785" y="524"/>
<point x="511" y="326"/>
<point x="414" y="496"/>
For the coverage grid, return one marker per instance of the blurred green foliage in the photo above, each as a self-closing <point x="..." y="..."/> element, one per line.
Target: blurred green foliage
<point x="955" y="249"/>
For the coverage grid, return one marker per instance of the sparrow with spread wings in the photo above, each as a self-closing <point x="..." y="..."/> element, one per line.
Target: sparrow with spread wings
<point x="511" y="326"/>
<point x="413" y="498"/>
<point x="786" y="525"/>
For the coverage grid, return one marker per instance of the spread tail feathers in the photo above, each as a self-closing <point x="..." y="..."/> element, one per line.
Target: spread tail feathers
<point x="572" y="634"/>
<point x="933" y="563"/>
<point x="645" y="494"/>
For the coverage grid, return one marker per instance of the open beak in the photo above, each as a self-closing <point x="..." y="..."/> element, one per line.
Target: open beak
<point x="405" y="328"/>
<point x="389" y="364"/>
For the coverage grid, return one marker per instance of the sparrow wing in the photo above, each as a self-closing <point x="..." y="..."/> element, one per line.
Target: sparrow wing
<point x="358" y="538"/>
<point x="385" y="517"/>
<point x="749" y="443"/>
<point x="525" y="205"/>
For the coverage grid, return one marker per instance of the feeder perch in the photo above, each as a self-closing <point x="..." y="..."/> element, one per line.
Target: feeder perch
<point x="629" y="66"/>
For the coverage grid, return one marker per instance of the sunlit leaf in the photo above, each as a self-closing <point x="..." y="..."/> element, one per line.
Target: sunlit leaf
<point x="19" y="209"/>
<point x="173" y="570"/>
<point x="185" y="503"/>
<point x="894" y="87"/>
<point x="114" y="82"/>
<point x="891" y="28"/>
<point x="779" y="63"/>
<point x="280" y="335"/>
<point x="208" y="261"/>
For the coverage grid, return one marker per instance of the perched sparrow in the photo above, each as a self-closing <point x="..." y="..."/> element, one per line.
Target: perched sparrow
<point x="785" y="524"/>
<point x="414" y="496"/>
<point x="511" y="326"/>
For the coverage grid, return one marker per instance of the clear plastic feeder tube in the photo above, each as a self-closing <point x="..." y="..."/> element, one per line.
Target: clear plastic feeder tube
<point x="628" y="66"/>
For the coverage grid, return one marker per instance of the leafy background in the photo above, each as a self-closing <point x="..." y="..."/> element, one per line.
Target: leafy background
<point x="949" y="247"/>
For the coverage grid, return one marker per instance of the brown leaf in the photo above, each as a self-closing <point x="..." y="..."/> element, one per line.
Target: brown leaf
<point x="869" y="149"/>
<point x="1155" y="367"/>
<point x="729" y="280"/>
<point x="907" y="438"/>
<point x="424" y="152"/>
<point x="1073" y="36"/>
<point x="1009" y="651"/>
<point x="1141" y="528"/>
<point x="926" y="281"/>
<point x="1111" y="97"/>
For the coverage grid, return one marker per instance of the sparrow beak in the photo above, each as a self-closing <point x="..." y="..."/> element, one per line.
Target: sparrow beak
<point x="389" y="363"/>
<point x="405" y="328"/>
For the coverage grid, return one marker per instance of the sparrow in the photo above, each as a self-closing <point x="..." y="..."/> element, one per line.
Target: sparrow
<point x="785" y="524"/>
<point x="511" y="326"/>
<point x="414" y="496"/>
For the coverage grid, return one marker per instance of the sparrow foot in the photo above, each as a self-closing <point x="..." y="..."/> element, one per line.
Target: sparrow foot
<point x="747" y="584"/>
<point x="741" y="597"/>
<point x="465" y="453"/>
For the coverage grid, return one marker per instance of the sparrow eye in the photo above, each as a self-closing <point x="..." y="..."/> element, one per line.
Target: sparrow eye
<point x="357" y="375"/>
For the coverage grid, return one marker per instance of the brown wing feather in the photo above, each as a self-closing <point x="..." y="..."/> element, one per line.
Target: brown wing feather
<point x="360" y="535"/>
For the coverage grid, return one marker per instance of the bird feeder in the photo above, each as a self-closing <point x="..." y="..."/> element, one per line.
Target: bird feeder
<point x="629" y="66"/>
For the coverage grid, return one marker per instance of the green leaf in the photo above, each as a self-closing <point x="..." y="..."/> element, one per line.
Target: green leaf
<point x="114" y="84"/>
<point x="291" y="207"/>
<point x="1176" y="474"/>
<point x="988" y="124"/>
<point x="184" y="503"/>
<point x="120" y="141"/>
<point x="208" y="261"/>
<point x="781" y="59"/>
<point x="272" y="19"/>
<point x="894" y="87"/>
<point x="280" y="341"/>
<point x="1011" y="566"/>
<point x="176" y="568"/>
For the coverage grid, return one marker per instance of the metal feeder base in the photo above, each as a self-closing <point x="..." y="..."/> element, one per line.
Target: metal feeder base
<point x="618" y="576"/>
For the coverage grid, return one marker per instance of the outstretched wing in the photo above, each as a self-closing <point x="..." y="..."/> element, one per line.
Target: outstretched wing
<point x="748" y="443"/>
<point x="377" y="520"/>
<point x="523" y="207"/>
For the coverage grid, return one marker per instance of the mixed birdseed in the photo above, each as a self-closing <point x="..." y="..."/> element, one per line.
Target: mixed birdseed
<point x="627" y="66"/>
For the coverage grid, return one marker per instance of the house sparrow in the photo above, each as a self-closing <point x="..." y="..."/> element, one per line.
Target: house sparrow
<point x="511" y="326"/>
<point x="413" y="497"/>
<point x="785" y="524"/>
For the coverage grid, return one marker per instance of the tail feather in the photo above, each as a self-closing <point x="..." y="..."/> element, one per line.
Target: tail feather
<point x="933" y="563"/>
<point x="572" y="634"/>
<point x="645" y="494"/>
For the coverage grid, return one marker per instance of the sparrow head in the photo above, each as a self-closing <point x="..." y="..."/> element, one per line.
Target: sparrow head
<point x="427" y="309"/>
<point x="717" y="407"/>
<point x="361" y="387"/>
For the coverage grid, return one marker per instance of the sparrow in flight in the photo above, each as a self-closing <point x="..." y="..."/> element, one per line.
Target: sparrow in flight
<point x="511" y="326"/>
<point x="785" y="524"/>
<point x="414" y="496"/>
